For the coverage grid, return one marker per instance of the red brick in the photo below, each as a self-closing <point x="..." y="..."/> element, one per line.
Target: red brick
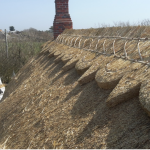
<point x="62" y="19"/>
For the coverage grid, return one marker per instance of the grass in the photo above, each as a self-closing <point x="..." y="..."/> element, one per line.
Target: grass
<point x="19" y="52"/>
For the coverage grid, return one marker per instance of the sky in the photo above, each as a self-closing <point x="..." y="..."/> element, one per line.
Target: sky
<point x="39" y="14"/>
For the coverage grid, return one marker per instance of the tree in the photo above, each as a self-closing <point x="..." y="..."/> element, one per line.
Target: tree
<point x="11" y="28"/>
<point x="51" y="29"/>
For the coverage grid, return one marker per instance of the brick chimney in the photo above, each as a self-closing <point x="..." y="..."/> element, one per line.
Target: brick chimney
<point x="62" y="19"/>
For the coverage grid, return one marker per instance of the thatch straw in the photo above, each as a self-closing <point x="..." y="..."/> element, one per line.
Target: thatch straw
<point x="45" y="107"/>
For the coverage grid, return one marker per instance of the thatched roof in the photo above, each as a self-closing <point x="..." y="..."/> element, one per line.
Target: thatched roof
<point x="68" y="97"/>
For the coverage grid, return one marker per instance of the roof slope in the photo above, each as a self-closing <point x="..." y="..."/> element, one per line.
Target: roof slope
<point x="54" y="102"/>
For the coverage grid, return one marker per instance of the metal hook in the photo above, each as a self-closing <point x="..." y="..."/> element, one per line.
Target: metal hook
<point x="68" y="41"/>
<point x="71" y="42"/>
<point x="125" y="53"/>
<point x="58" y="38"/>
<point x="76" y="41"/>
<point x="97" y="44"/>
<point x="138" y="45"/>
<point x="84" y="42"/>
<point x="104" y="47"/>
<point x="91" y="44"/>
<point x="114" y="47"/>
<point x="80" y="43"/>
<point x="63" y="40"/>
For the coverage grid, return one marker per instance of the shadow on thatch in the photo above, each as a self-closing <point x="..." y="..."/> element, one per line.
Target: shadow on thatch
<point x="48" y="63"/>
<point x="73" y="93"/>
<point x="91" y="96"/>
<point x="127" y="129"/>
<point x="56" y="69"/>
<point x="71" y="77"/>
<point x="57" y="77"/>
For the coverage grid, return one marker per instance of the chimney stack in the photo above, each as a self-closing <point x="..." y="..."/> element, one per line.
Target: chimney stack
<point x="62" y="19"/>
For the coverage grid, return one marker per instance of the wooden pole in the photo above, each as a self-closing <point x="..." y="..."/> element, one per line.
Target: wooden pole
<point x="6" y="43"/>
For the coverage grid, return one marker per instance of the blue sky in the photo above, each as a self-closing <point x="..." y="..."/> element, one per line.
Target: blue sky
<point x="39" y="14"/>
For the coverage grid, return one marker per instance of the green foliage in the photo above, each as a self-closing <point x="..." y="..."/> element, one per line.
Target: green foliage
<point x="51" y="29"/>
<point x="19" y="54"/>
<point x="21" y="47"/>
<point x="11" y="28"/>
